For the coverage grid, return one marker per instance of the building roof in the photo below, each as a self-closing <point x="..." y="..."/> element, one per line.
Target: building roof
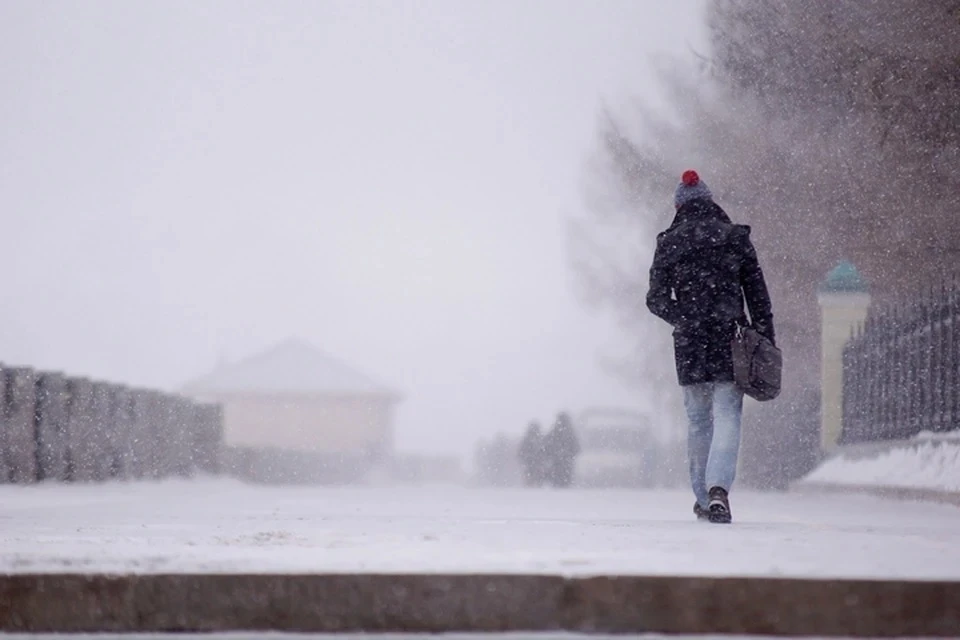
<point x="844" y="278"/>
<point x="293" y="366"/>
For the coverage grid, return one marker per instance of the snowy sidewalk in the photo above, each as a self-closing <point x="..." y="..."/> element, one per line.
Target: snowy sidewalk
<point x="225" y="526"/>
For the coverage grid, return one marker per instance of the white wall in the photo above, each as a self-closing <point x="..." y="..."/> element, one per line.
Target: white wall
<point x="307" y="423"/>
<point x="841" y="312"/>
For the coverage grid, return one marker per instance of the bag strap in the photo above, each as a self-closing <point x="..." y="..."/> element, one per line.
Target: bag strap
<point x="738" y="331"/>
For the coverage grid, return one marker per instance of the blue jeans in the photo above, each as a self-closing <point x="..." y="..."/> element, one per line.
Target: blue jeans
<point x="714" y="410"/>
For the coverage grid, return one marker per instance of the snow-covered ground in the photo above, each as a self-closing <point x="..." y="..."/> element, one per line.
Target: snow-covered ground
<point x="928" y="462"/>
<point x="226" y="526"/>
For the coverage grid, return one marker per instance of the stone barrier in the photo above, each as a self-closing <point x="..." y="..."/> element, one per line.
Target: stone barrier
<point x="141" y="436"/>
<point x="4" y="465"/>
<point x="82" y="439"/>
<point x="54" y="427"/>
<point x="209" y="438"/>
<point x="166" y="436"/>
<point x="186" y="430"/>
<point x="18" y="422"/>
<point x="344" y="603"/>
<point x="123" y="427"/>
<point x="104" y="432"/>
<point x="51" y="418"/>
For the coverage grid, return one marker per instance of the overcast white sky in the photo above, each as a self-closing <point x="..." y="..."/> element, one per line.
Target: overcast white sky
<point x="388" y="180"/>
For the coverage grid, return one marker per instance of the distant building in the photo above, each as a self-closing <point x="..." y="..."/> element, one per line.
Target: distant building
<point x="296" y="414"/>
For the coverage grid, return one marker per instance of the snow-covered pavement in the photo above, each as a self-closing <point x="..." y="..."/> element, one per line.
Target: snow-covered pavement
<point x="226" y="526"/>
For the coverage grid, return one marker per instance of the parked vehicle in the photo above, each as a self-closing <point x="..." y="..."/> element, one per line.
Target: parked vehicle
<point x="618" y="449"/>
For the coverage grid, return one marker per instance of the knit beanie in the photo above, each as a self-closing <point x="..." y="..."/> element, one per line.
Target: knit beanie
<point x="690" y="188"/>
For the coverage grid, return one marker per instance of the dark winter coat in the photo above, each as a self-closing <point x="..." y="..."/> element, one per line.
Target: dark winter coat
<point x="703" y="269"/>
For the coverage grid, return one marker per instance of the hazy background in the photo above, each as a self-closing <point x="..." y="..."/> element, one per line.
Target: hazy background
<point x="187" y="181"/>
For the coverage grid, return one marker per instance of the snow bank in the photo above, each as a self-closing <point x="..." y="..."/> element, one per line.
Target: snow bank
<point x="927" y="463"/>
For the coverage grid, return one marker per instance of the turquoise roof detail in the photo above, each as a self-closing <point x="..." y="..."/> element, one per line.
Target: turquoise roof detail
<point x="844" y="278"/>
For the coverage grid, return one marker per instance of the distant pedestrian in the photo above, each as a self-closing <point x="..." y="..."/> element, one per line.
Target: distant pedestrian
<point x="703" y="269"/>
<point x="562" y="448"/>
<point x="532" y="457"/>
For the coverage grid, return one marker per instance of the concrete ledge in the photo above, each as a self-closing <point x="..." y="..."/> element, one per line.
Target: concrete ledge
<point x="890" y="493"/>
<point x="70" y="603"/>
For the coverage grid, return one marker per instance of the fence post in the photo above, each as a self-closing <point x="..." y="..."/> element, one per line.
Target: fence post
<point x="870" y="353"/>
<point x="879" y="365"/>
<point x="893" y="373"/>
<point x="860" y="394"/>
<point x="870" y="344"/>
<point x="928" y="365"/>
<point x="882" y="427"/>
<point x="890" y="365"/>
<point x="922" y="353"/>
<point x="52" y="429"/>
<point x="914" y="348"/>
<point x="848" y="400"/>
<point x="859" y="388"/>
<point x="936" y="358"/>
<point x="926" y="387"/>
<point x="901" y="412"/>
<point x="889" y="353"/>
<point x="860" y="364"/>
<point x="953" y="367"/>
<point x="20" y="424"/>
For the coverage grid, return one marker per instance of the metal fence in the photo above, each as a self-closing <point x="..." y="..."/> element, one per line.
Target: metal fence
<point x="54" y="427"/>
<point x="901" y="371"/>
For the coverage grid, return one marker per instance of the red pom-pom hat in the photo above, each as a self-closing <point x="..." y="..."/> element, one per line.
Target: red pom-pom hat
<point x="691" y="187"/>
<point x="690" y="178"/>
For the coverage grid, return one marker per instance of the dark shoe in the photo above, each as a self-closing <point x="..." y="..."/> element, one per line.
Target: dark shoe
<point x="719" y="507"/>
<point x="700" y="512"/>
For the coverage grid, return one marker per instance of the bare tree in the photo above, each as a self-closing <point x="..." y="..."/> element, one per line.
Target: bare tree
<point x="830" y="126"/>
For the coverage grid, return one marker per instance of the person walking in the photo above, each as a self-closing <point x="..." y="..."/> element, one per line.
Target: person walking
<point x="703" y="270"/>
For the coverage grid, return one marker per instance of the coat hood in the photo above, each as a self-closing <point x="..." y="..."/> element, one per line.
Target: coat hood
<point x="699" y="224"/>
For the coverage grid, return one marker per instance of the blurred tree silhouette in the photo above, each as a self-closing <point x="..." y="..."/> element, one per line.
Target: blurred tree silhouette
<point x="830" y="126"/>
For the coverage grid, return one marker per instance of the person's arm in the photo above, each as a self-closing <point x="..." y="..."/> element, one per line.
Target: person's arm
<point x="660" y="300"/>
<point x="755" y="291"/>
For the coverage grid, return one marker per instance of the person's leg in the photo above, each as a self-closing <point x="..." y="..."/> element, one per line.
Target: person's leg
<point x="725" y="447"/>
<point x="698" y="402"/>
